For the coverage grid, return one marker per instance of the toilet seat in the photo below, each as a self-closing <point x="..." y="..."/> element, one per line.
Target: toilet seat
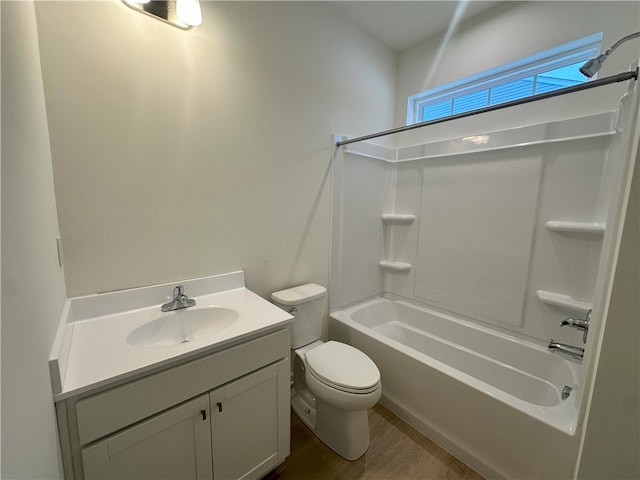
<point x="343" y="367"/>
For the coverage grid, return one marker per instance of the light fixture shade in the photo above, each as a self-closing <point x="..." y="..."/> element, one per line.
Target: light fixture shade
<point x="189" y="12"/>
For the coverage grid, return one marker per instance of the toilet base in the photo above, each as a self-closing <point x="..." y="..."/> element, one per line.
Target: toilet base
<point x="346" y="432"/>
<point x="305" y="410"/>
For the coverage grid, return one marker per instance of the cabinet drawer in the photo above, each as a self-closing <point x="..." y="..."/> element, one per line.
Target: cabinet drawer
<point x="119" y="407"/>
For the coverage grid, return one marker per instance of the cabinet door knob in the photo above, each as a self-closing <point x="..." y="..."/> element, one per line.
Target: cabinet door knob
<point x="204" y="414"/>
<point x="219" y="406"/>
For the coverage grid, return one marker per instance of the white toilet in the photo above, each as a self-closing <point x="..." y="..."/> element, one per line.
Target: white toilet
<point x="333" y="383"/>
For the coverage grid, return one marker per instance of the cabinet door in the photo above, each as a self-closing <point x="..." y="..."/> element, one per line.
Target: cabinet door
<point x="249" y="434"/>
<point x="175" y="444"/>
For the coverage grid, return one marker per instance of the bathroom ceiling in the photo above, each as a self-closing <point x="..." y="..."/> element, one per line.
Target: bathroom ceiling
<point x="403" y="24"/>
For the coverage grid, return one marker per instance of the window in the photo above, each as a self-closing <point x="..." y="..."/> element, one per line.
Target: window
<point x="543" y="72"/>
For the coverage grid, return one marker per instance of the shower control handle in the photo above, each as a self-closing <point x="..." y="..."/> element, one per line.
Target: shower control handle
<point x="580" y="324"/>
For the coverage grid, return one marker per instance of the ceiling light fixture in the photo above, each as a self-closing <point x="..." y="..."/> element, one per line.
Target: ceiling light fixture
<point x="189" y="12"/>
<point x="179" y="13"/>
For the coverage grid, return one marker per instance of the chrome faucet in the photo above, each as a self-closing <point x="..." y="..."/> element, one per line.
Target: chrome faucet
<point x="180" y="300"/>
<point x="579" y="324"/>
<point x="575" y="352"/>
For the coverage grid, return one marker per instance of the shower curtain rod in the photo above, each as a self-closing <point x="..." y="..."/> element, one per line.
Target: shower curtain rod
<point x="620" y="77"/>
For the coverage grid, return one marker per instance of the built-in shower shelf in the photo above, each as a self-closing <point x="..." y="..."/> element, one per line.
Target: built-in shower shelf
<point x="398" y="218"/>
<point x="576" y="227"/>
<point x="563" y="301"/>
<point x="398" y="267"/>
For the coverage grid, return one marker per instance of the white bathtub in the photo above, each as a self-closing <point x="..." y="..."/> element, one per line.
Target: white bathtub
<point x="492" y="400"/>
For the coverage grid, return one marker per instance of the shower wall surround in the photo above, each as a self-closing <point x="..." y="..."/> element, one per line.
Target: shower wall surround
<point x="505" y="228"/>
<point x="504" y="231"/>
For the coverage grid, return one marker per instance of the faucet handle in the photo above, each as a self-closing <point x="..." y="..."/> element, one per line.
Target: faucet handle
<point x="579" y="324"/>
<point x="178" y="291"/>
<point x="179" y="300"/>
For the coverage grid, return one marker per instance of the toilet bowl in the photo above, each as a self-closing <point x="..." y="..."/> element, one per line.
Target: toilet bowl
<point x="333" y="383"/>
<point x="335" y="409"/>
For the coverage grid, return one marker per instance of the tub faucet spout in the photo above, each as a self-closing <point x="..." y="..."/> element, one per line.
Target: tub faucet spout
<point x="575" y="352"/>
<point x="180" y="300"/>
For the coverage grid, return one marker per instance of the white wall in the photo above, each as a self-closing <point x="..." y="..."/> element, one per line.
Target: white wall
<point x="179" y="154"/>
<point x="514" y="30"/>
<point x="32" y="283"/>
<point x="611" y="446"/>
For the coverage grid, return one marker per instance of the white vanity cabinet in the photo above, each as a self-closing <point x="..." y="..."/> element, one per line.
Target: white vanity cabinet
<point x="224" y="416"/>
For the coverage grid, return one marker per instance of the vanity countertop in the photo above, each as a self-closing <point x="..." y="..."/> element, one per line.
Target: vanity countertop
<point x="91" y="348"/>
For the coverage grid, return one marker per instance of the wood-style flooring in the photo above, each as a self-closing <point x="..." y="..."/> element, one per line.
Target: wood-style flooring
<point x="397" y="451"/>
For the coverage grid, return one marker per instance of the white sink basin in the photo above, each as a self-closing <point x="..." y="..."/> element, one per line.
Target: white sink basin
<point x="174" y="328"/>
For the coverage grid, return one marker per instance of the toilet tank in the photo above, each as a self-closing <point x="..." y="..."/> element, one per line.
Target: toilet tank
<point x="307" y="304"/>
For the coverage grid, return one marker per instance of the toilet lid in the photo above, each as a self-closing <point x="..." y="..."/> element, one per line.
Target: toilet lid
<point x="338" y="364"/>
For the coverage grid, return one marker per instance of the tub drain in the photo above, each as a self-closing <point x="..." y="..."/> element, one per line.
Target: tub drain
<point x="566" y="391"/>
